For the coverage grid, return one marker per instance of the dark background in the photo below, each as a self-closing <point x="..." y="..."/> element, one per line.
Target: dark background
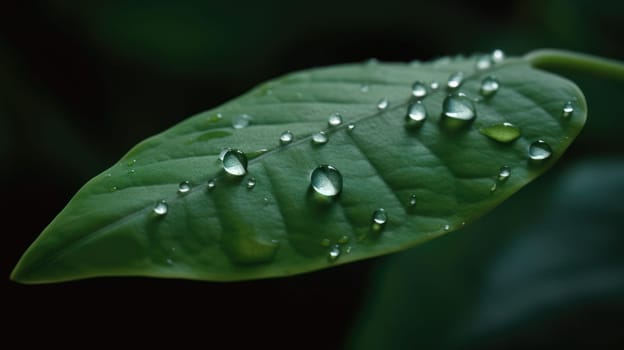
<point x="83" y="81"/>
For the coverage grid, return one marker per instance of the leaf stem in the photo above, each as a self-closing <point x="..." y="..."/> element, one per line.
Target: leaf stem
<point x="599" y="66"/>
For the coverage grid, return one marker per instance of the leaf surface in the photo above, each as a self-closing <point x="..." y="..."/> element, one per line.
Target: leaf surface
<point x="431" y="178"/>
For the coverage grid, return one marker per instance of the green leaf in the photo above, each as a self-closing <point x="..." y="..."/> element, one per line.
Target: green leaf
<point x="431" y="177"/>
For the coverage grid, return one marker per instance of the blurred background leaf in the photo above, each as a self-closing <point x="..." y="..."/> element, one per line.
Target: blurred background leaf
<point x="82" y="82"/>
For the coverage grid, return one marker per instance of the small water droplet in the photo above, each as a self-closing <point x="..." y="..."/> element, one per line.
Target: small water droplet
<point x="379" y="219"/>
<point x="211" y="184"/>
<point x="334" y="253"/>
<point x="383" y="104"/>
<point x="503" y="174"/>
<point x="489" y="86"/>
<point x="434" y="85"/>
<point x="498" y="56"/>
<point x="113" y="188"/>
<point x="455" y="80"/>
<point x="223" y="152"/>
<point x="325" y="242"/>
<point x="320" y="138"/>
<point x="286" y="137"/>
<point x="161" y="208"/>
<point x="504" y="132"/>
<point x="364" y="87"/>
<point x="483" y="62"/>
<point x="567" y="110"/>
<point x="335" y="119"/>
<point x="184" y="187"/>
<point x="251" y="183"/>
<point x="343" y="239"/>
<point x="539" y="150"/>
<point x="350" y="127"/>
<point x="108" y="175"/>
<point x="416" y="115"/>
<point x="372" y="61"/>
<point x="241" y="121"/>
<point x="419" y="89"/>
<point x="235" y="162"/>
<point x="131" y="171"/>
<point x="458" y="110"/>
<point x="493" y="188"/>
<point x="412" y="200"/>
<point x="348" y="249"/>
<point x="447" y="227"/>
<point x="326" y="180"/>
<point x="131" y="162"/>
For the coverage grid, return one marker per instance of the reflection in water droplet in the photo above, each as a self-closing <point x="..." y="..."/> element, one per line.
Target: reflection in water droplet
<point x="223" y="152"/>
<point x="379" y="219"/>
<point x="286" y="137"/>
<point x="334" y="253"/>
<point x="503" y="174"/>
<point x="241" y="121"/>
<point x="343" y="239"/>
<point x="383" y="104"/>
<point x="320" y="138"/>
<point x="335" y="119"/>
<point x="504" y="132"/>
<point x="419" y="89"/>
<point x="184" y="187"/>
<point x="325" y="242"/>
<point x="235" y="162"/>
<point x="498" y="56"/>
<point x="489" y="86"/>
<point x="483" y="62"/>
<point x="455" y="80"/>
<point x="350" y="127"/>
<point x="458" y="111"/>
<point x="251" y="183"/>
<point x="161" y="208"/>
<point x="568" y="109"/>
<point x="416" y="115"/>
<point x="539" y="150"/>
<point x="211" y="184"/>
<point x="364" y="87"/>
<point x="412" y="200"/>
<point x="434" y="85"/>
<point x="326" y="180"/>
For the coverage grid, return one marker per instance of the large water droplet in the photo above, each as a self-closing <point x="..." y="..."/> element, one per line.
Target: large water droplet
<point x="326" y="180"/>
<point x="235" y="162"/>
<point x="320" y="138"/>
<point x="335" y="119"/>
<point x="379" y="220"/>
<point x="483" y="62"/>
<point x="503" y="174"/>
<point x="567" y="110"/>
<point x="241" y="121"/>
<point x="539" y="150"/>
<point x="334" y="253"/>
<point x="161" y="208"/>
<point x="419" y="89"/>
<point x="458" y="111"/>
<point x="383" y="104"/>
<point x="416" y="115"/>
<point x="489" y="86"/>
<point x="251" y="183"/>
<point x="286" y="137"/>
<point x="455" y="80"/>
<point x="504" y="132"/>
<point x="184" y="187"/>
<point x="498" y="56"/>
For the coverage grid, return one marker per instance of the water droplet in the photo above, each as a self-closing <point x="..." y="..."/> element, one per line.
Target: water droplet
<point x="108" y="175"/>
<point x="325" y="242"/>
<point x="286" y="137"/>
<point x="235" y="162"/>
<point x="419" y="89"/>
<point x="251" y="183"/>
<point x="455" y="80"/>
<point x="241" y="121"/>
<point x="458" y="110"/>
<point x="211" y="184"/>
<point x="131" y="162"/>
<point x="113" y="188"/>
<point x="416" y="115"/>
<point x="483" y="62"/>
<point x="320" y="138"/>
<point x="350" y="127"/>
<point x="348" y="249"/>
<point x="379" y="220"/>
<point x="412" y="200"/>
<point x="131" y="171"/>
<point x="498" y="56"/>
<point x="161" y="208"/>
<point x="334" y="253"/>
<point x="223" y="152"/>
<point x="493" y="188"/>
<point x="568" y="109"/>
<point x="447" y="227"/>
<point x="539" y="150"/>
<point x="489" y="86"/>
<point x="335" y="119"/>
<point x="343" y="239"/>
<point x="503" y="174"/>
<point x="434" y="85"/>
<point x="326" y="180"/>
<point x="364" y="87"/>
<point x="184" y="187"/>
<point x="383" y="104"/>
<point x="372" y="61"/>
<point x="504" y="132"/>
